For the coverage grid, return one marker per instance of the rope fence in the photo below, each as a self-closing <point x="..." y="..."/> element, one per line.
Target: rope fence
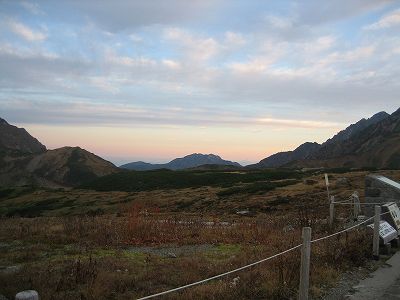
<point x="221" y="275"/>
<point x="260" y="261"/>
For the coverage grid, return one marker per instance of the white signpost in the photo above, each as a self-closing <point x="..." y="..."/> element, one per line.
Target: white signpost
<point x="327" y="186"/>
<point x="393" y="217"/>
<point x="386" y="232"/>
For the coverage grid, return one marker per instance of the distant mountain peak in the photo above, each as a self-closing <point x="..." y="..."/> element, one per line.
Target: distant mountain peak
<point x="17" y="139"/>
<point x="189" y="161"/>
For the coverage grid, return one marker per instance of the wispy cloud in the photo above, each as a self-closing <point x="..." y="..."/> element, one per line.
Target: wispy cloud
<point x="220" y="64"/>
<point x="389" y="20"/>
<point x="26" y="32"/>
<point x="32" y="7"/>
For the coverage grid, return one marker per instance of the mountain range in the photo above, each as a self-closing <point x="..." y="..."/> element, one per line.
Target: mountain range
<point x="372" y="142"/>
<point x="25" y="161"/>
<point x="189" y="161"/>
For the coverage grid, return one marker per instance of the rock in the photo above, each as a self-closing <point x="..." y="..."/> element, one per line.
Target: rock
<point x="171" y="255"/>
<point x="27" y="295"/>
<point x="243" y="212"/>
<point x="235" y="281"/>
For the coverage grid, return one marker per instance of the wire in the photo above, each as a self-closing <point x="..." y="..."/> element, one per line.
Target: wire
<point x="339" y="232"/>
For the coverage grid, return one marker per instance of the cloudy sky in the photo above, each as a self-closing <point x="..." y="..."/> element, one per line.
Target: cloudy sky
<point x="157" y="79"/>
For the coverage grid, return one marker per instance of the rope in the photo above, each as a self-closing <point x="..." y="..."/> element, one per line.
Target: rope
<point x="254" y="263"/>
<point x="347" y="229"/>
<point x="344" y="230"/>
<point x="361" y="203"/>
<point x="221" y="275"/>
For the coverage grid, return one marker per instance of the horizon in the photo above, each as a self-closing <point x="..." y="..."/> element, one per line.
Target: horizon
<point x="118" y="161"/>
<point x="133" y="81"/>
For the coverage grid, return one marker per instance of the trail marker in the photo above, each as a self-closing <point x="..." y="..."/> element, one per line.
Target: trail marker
<point x="386" y="232"/>
<point x="327" y="186"/>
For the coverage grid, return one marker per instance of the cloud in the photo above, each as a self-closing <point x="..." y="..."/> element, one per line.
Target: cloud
<point x="278" y="70"/>
<point x="129" y="14"/>
<point x="389" y="20"/>
<point x="101" y="114"/>
<point x="195" y="48"/>
<point x="314" y="12"/>
<point x="26" y="32"/>
<point x="233" y="39"/>
<point x="32" y="7"/>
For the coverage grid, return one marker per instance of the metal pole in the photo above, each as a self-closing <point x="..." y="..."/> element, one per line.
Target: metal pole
<point x="305" y="264"/>
<point x="377" y="219"/>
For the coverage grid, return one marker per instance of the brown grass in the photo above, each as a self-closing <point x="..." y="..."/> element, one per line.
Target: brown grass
<point x="90" y="256"/>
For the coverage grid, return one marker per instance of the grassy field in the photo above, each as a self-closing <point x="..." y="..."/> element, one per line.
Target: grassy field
<point x="86" y="244"/>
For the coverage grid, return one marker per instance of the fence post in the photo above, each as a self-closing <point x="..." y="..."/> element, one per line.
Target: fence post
<point x="377" y="219"/>
<point x="305" y="264"/>
<point x="331" y="211"/>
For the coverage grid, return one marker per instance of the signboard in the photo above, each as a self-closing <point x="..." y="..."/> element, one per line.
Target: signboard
<point x="393" y="217"/>
<point x="386" y="231"/>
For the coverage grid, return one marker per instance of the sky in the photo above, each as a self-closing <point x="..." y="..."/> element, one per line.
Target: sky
<point x="157" y="79"/>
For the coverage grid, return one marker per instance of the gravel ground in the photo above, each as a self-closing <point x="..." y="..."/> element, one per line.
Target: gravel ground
<point x="345" y="286"/>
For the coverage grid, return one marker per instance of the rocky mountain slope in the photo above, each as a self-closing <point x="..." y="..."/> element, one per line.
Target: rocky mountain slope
<point x="377" y="145"/>
<point x="18" y="140"/>
<point x="282" y="158"/>
<point x="189" y="161"/>
<point x="25" y="161"/>
<point x="357" y="127"/>
<point x="309" y="150"/>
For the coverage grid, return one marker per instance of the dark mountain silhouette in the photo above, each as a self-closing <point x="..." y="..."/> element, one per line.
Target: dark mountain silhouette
<point x="377" y="145"/>
<point x="309" y="150"/>
<point x="25" y="161"/>
<point x="18" y="140"/>
<point x="357" y="127"/>
<point x="282" y="158"/>
<point x="189" y="161"/>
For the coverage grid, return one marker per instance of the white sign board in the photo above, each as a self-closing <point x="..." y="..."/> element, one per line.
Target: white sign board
<point x="394" y="214"/>
<point x="386" y="231"/>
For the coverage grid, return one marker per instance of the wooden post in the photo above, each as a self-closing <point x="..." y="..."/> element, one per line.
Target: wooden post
<point x="327" y="186"/>
<point x="332" y="211"/>
<point x="27" y="295"/>
<point x="375" y="244"/>
<point x="305" y="264"/>
<point x="356" y="203"/>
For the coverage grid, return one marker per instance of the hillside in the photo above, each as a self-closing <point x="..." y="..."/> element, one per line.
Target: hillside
<point x="377" y="145"/>
<point x="315" y="151"/>
<point x="18" y="140"/>
<point x="189" y="161"/>
<point x="282" y="158"/>
<point x="69" y="166"/>
<point x="25" y="161"/>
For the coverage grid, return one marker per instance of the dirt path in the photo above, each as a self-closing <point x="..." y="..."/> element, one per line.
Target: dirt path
<point x="382" y="284"/>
